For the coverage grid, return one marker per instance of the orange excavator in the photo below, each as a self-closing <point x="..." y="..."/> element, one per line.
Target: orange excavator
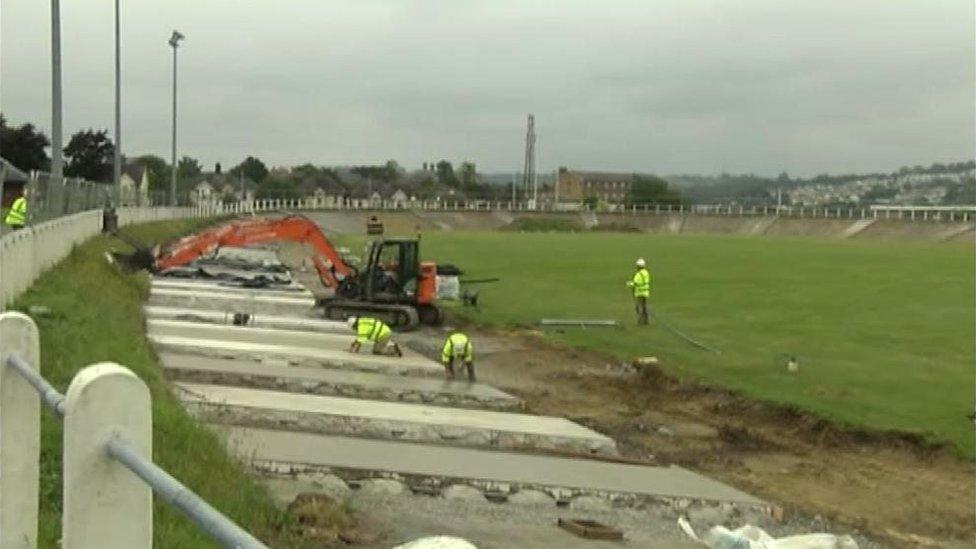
<point x="393" y="284"/>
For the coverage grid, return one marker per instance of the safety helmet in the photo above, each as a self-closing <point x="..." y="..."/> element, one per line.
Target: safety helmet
<point x="641" y="262"/>
<point x="351" y="321"/>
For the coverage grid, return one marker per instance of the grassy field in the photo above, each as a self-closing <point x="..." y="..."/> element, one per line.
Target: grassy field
<point x="883" y="331"/>
<point x="96" y="316"/>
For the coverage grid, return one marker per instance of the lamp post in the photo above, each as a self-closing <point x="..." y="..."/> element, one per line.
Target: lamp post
<point x="174" y="41"/>
<point x="117" y="159"/>
<point x="57" y="162"/>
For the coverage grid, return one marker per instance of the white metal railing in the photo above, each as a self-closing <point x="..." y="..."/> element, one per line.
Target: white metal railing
<point x="108" y="476"/>
<point x="906" y="213"/>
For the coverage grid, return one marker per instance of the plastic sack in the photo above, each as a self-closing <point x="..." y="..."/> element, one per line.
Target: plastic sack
<point x="437" y="542"/>
<point x="752" y="537"/>
<point x="448" y="287"/>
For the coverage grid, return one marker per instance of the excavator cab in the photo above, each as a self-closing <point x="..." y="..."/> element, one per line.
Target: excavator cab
<point x="401" y="288"/>
<point x="393" y="267"/>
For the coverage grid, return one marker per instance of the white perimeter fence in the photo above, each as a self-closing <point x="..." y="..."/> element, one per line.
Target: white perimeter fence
<point x="907" y="213"/>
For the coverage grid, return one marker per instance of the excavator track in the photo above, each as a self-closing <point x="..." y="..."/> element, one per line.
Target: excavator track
<point x="401" y="317"/>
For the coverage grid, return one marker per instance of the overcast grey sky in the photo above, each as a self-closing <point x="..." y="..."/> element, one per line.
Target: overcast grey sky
<point x="664" y="86"/>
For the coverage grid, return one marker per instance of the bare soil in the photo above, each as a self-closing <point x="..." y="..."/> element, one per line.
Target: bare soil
<point x="894" y="487"/>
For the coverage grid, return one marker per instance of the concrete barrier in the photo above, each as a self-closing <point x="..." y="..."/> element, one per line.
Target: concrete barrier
<point x="105" y="505"/>
<point x="20" y="435"/>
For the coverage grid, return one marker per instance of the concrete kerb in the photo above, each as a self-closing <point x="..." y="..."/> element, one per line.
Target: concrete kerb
<point x="334" y="382"/>
<point x="297" y="356"/>
<point x="497" y="490"/>
<point x="196" y="285"/>
<point x="236" y="303"/>
<point x="391" y="420"/>
<point x="20" y="435"/>
<point x="283" y="322"/>
<point x="102" y="499"/>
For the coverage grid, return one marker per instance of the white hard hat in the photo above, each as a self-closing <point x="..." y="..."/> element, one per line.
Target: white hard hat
<point x="640" y="262"/>
<point x="351" y="321"/>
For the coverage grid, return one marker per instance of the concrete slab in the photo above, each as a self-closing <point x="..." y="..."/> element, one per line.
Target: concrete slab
<point x="331" y="340"/>
<point x="427" y="465"/>
<point x="409" y="364"/>
<point x="259" y="320"/>
<point x="252" y="302"/>
<point x="390" y="420"/>
<point x="336" y="382"/>
<point x="280" y="290"/>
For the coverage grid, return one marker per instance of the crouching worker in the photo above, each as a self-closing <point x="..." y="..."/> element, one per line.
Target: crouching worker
<point x="458" y="347"/>
<point x="375" y="331"/>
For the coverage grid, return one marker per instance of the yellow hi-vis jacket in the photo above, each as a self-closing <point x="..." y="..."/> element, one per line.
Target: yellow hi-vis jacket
<point x="457" y="345"/>
<point x="641" y="283"/>
<point x="17" y="216"/>
<point x="371" y="329"/>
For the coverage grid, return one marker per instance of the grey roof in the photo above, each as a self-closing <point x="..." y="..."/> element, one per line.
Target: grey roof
<point x="218" y="180"/>
<point x="134" y="171"/>
<point x="12" y="173"/>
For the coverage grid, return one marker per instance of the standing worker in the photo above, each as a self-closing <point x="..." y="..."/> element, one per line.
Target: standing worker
<point x="641" y="284"/>
<point x="375" y="331"/>
<point x="17" y="216"/>
<point x="458" y="346"/>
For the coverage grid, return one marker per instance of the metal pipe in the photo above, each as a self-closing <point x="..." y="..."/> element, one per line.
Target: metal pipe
<point x="49" y="395"/>
<point x="211" y="521"/>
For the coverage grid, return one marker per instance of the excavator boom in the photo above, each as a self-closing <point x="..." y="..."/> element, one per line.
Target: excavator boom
<point x="394" y="286"/>
<point x="249" y="232"/>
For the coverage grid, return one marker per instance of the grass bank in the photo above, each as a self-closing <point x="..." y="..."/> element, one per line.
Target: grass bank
<point x="882" y="330"/>
<point x="96" y="316"/>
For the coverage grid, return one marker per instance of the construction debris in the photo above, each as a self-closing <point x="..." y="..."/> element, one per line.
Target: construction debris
<point x="590" y="529"/>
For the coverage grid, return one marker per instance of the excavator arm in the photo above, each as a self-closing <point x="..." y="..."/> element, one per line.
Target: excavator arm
<point x="294" y="228"/>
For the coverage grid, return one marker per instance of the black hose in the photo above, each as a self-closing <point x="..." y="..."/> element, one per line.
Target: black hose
<point x="683" y="336"/>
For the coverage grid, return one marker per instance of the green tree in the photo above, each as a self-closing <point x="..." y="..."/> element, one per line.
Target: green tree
<point x="23" y="146"/>
<point x="650" y="189"/>
<point x="277" y="187"/>
<point x="393" y="170"/>
<point x="252" y="168"/>
<point x="879" y="192"/>
<point x="158" y="171"/>
<point x="445" y="174"/>
<point x="189" y="168"/>
<point x="427" y="189"/>
<point x="469" y="175"/>
<point x="89" y="155"/>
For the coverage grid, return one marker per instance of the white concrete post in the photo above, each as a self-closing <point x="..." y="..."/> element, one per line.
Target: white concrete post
<point x="20" y="434"/>
<point x="105" y="505"/>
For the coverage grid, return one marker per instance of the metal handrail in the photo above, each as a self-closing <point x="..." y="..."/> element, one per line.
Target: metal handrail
<point x="49" y="395"/>
<point x="216" y="525"/>
<point x="220" y="528"/>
